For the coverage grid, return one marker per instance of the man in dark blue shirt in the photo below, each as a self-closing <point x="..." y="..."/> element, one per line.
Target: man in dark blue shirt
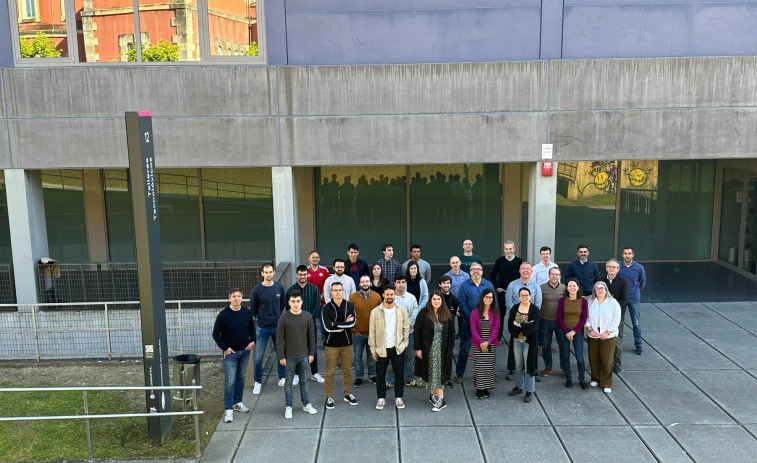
<point x="267" y="302"/>
<point x="585" y="270"/>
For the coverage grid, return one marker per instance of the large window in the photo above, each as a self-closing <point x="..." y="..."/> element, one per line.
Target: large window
<point x="107" y="31"/>
<point x="5" y="233"/>
<point x="63" y="195"/>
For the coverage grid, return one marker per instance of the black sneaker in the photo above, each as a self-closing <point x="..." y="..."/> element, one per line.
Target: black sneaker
<point x="372" y="379"/>
<point x="486" y="393"/>
<point x="449" y="385"/>
<point x="330" y="403"/>
<point x="516" y="390"/>
<point x="358" y="382"/>
<point x="583" y="384"/>
<point x="432" y="398"/>
<point x="439" y="405"/>
<point x="527" y="398"/>
<point x="569" y="383"/>
<point x="459" y="379"/>
<point x="350" y="399"/>
<point x="479" y="394"/>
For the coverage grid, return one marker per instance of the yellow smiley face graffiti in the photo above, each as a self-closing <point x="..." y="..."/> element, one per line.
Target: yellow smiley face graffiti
<point x="601" y="180"/>
<point x="637" y="177"/>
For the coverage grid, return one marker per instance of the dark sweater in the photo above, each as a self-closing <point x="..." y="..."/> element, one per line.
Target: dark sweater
<point x="267" y="303"/>
<point x="338" y="331"/>
<point x="505" y="271"/>
<point x="295" y="335"/>
<point x="356" y="270"/>
<point x="234" y="328"/>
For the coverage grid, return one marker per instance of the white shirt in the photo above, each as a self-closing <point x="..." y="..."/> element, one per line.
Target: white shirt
<point x="348" y="284"/>
<point x="540" y="272"/>
<point x="604" y="317"/>
<point x="390" y="316"/>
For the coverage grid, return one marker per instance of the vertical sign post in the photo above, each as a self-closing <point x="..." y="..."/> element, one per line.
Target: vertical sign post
<point x="150" y="270"/>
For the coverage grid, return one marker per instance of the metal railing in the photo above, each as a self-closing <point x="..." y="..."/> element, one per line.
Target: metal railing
<point x="87" y="417"/>
<point x="102" y="329"/>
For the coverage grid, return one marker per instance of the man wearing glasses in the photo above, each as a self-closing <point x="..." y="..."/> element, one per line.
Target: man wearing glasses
<point x="468" y="295"/>
<point x="618" y="287"/>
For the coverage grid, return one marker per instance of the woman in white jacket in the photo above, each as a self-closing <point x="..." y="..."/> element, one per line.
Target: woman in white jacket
<point x="601" y="333"/>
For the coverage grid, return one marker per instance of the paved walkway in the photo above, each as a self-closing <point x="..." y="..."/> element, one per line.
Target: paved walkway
<point x="690" y="397"/>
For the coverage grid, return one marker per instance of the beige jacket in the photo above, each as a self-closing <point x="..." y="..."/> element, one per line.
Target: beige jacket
<point x="377" y="330"/>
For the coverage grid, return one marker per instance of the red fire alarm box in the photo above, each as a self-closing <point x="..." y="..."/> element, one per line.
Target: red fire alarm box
<point x="546" y="168"/>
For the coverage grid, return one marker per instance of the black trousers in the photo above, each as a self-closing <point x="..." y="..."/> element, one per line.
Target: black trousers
<point x="398" y="365"/>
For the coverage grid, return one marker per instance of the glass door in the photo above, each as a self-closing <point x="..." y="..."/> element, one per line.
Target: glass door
<point x="738" y="224"/>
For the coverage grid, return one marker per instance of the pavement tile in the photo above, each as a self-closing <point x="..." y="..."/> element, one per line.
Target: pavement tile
<point x="740" y="313"/>
<point x="576" y="406"/>
<point x="717" y="443"/>
<point x="653" y="319"/>
<point x="737" y="345"/>
<point x="686" y="351"/>
<point x="673" y="399"/>
<point x="418" y="412"/>
<point x="631" y="408"/>
<point x="618" y="443"/>
<point x="458" y="444"/>
<point x="737" y="398"/>
<point x="696" y="316"/>
<point x="377" y="445"/>
<point x="222" y="447"/>
<point x="501" y="409"/>
<point x="662" y="445"/>
<point x="269" y="410"/>
<point x="267" y="445"/>
<point x="548" y="450"/>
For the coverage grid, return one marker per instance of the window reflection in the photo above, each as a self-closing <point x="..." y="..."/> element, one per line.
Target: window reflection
<point x="233" y="27"/>
<point x="63" y="195"/>
<point x="107" y="30"/>
<point x="42" y="28"/>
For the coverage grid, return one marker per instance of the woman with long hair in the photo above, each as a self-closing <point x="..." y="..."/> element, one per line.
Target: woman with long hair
<point x="433" y="339"/>
<point x="523" y="355"/>
<point x="601" y="333"/>
<point x="416" y="285"/>
<point x="378" y="281"/>
<point x="572" y="311"/>
<point x="484" y="327"/>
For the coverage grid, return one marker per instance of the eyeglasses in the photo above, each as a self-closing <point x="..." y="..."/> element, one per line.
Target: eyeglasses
<point x="476" y="270"/>
<point x="524" y="295"/>
<point x="488" y="297"/>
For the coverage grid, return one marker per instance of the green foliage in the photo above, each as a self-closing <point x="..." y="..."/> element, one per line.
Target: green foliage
<point x="161" y="51"/>
<point x="253" y="49"/>
<point x="41" y="46"/>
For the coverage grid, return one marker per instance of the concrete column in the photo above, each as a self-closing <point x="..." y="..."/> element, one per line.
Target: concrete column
<point x="94" y="216"/>
<point x="28" y="229"/>
<point x="542" y="210"/>
<point x="285" y="234"/>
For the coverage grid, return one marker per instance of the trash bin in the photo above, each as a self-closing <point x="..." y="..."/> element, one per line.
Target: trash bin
<point x="186" y="367"/>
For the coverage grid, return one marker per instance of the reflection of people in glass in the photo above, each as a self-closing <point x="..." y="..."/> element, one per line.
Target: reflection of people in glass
<point x="329" y="194"/>
<point x="50" y="272"/>
<point x="347" y="195"/>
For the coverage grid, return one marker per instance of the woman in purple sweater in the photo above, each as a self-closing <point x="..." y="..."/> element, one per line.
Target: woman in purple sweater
<point x="571" y="316"/>
<point x="484" y="328"/>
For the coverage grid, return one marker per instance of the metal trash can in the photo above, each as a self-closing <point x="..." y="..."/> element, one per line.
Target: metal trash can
<point x="186" y="367"/>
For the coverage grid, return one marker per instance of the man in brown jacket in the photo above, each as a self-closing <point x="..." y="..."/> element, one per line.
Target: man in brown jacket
<point x="364" y="300"/>
<point x="389" y="331"/>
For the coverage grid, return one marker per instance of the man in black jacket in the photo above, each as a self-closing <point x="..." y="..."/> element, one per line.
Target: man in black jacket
<point x="618" y="287"/>
<point x="338" y="318"/>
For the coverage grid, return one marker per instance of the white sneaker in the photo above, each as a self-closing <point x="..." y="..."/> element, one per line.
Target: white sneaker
<point x="240" y="407"/>
<point x="309" y="408"/>
<point x="380" y="404"/>
<point x="281" y="382"/>
<point x="399" y="403"/>
<point x="318" y="378"/>
<point x="256" y="388"/>
<point x="296" y="380"/>
<point x="607" y="390"/>
<point x="228" y="416"/>
<point x="593" y="384"/>
<point x="288" y="412"/>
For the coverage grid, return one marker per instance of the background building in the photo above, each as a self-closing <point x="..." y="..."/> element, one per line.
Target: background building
<point x="414" y="121"/>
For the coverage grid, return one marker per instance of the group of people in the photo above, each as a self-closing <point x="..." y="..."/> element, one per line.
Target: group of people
<point x="387" y="321"/>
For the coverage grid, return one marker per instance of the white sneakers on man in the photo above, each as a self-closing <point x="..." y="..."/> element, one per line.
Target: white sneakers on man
<point x="309" y="408"/>
<point x="241" y="408"/>
<point x="281" y="382"/>
<point x="380" y="404"/>
<point x="317" y="378"/>
<point x="256" y="388"/>
<point x="296" y="380"/>
<point x="288" y="412"/>
<point x="228" y="416"/>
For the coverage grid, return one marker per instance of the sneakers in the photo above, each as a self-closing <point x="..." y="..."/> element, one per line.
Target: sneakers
<point x="256" y="388"/>
<point x="389" y="385"/>
<point x="282" y="381"/>
<point x="569" y="383"/>
<point x="288" y="413"/>
<point x="432" y="398"/>
<point x="350" y="399"/>
<point x="358" y="382"/>
<point x="459" y="379"/>
<point x="296" y="380"/>
<point x="516" y="390"/>
<point x="228" y="416"/>
<point x="639" y="351"/>
<point x="317" y="378"/>
<point x="486" y="393"/>
<point x="380" y="404"/>
<point x="607" y="390"/>
<point x="372" y="379"/>
<point x="309" y="408"/>
<point x="399" y="403"/>
<point x="241" y="408"/>
<point x="449" y="385"/>
<point x="527" y="398"/>
<point x="546" y="371"/>
<point x="593" y="384"/>
<point x="330" y="403"/>
<point x="439" y="405"/>
<point x="583" y="384"/>
<point x="479" y="393"/>
<point x="411" y="383"/>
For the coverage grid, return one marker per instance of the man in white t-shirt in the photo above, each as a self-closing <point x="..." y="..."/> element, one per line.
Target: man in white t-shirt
<point x="388" y="339"/>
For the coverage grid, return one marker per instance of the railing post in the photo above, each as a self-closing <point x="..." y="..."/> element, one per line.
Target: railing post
<point x="89" y="436"/>
<point x="197" y="422"/>
<point x="107" y="333"/>
<point x="181" y="330"/>
<point x="36" y="335"/>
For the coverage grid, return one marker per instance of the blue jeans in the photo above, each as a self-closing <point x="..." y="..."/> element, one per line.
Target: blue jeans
<point x="296" y="366"/>
<point x="522" y="379"/>
<point x="235" y="370"/>
<point x="409" y="368"/>
<point x="318" y="322"/>
<point x="634" y="309"/>
<point x="263" y="334"/>
<point x="360" y="345"/>
<point x="578" y="349"/>
<point x="546" y="328"/>
<point x="465" y="344"/>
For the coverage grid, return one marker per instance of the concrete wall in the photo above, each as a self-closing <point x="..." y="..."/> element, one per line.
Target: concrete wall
<point x="225" y="116"/>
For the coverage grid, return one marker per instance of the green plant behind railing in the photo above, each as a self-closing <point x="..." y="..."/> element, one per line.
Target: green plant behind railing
<point x="41" y="46"/>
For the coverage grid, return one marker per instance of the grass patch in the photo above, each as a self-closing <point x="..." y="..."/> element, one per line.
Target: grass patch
<point x="66" y="440"/>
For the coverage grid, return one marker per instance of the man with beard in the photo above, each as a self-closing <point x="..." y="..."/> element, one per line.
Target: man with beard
<point x="364" y="300"/>
<point x="338" y="316"/>
<point x="348" y="284"/>
<point x="467" y="298"/>
<point x="310" y="300"/>
<point x="388" y="339"/>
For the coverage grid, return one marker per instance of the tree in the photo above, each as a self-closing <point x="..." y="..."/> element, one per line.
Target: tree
<point x="161" y="51"/>
<point x="253" y="49"/>
<point x="41" y="46"/>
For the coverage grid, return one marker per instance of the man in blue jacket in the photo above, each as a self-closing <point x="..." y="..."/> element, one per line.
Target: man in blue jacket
<point x="266" y="302"/>
<point x="634" y="273"/>
<point x="585" y="270"/>
<point x="467" y="297"/>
